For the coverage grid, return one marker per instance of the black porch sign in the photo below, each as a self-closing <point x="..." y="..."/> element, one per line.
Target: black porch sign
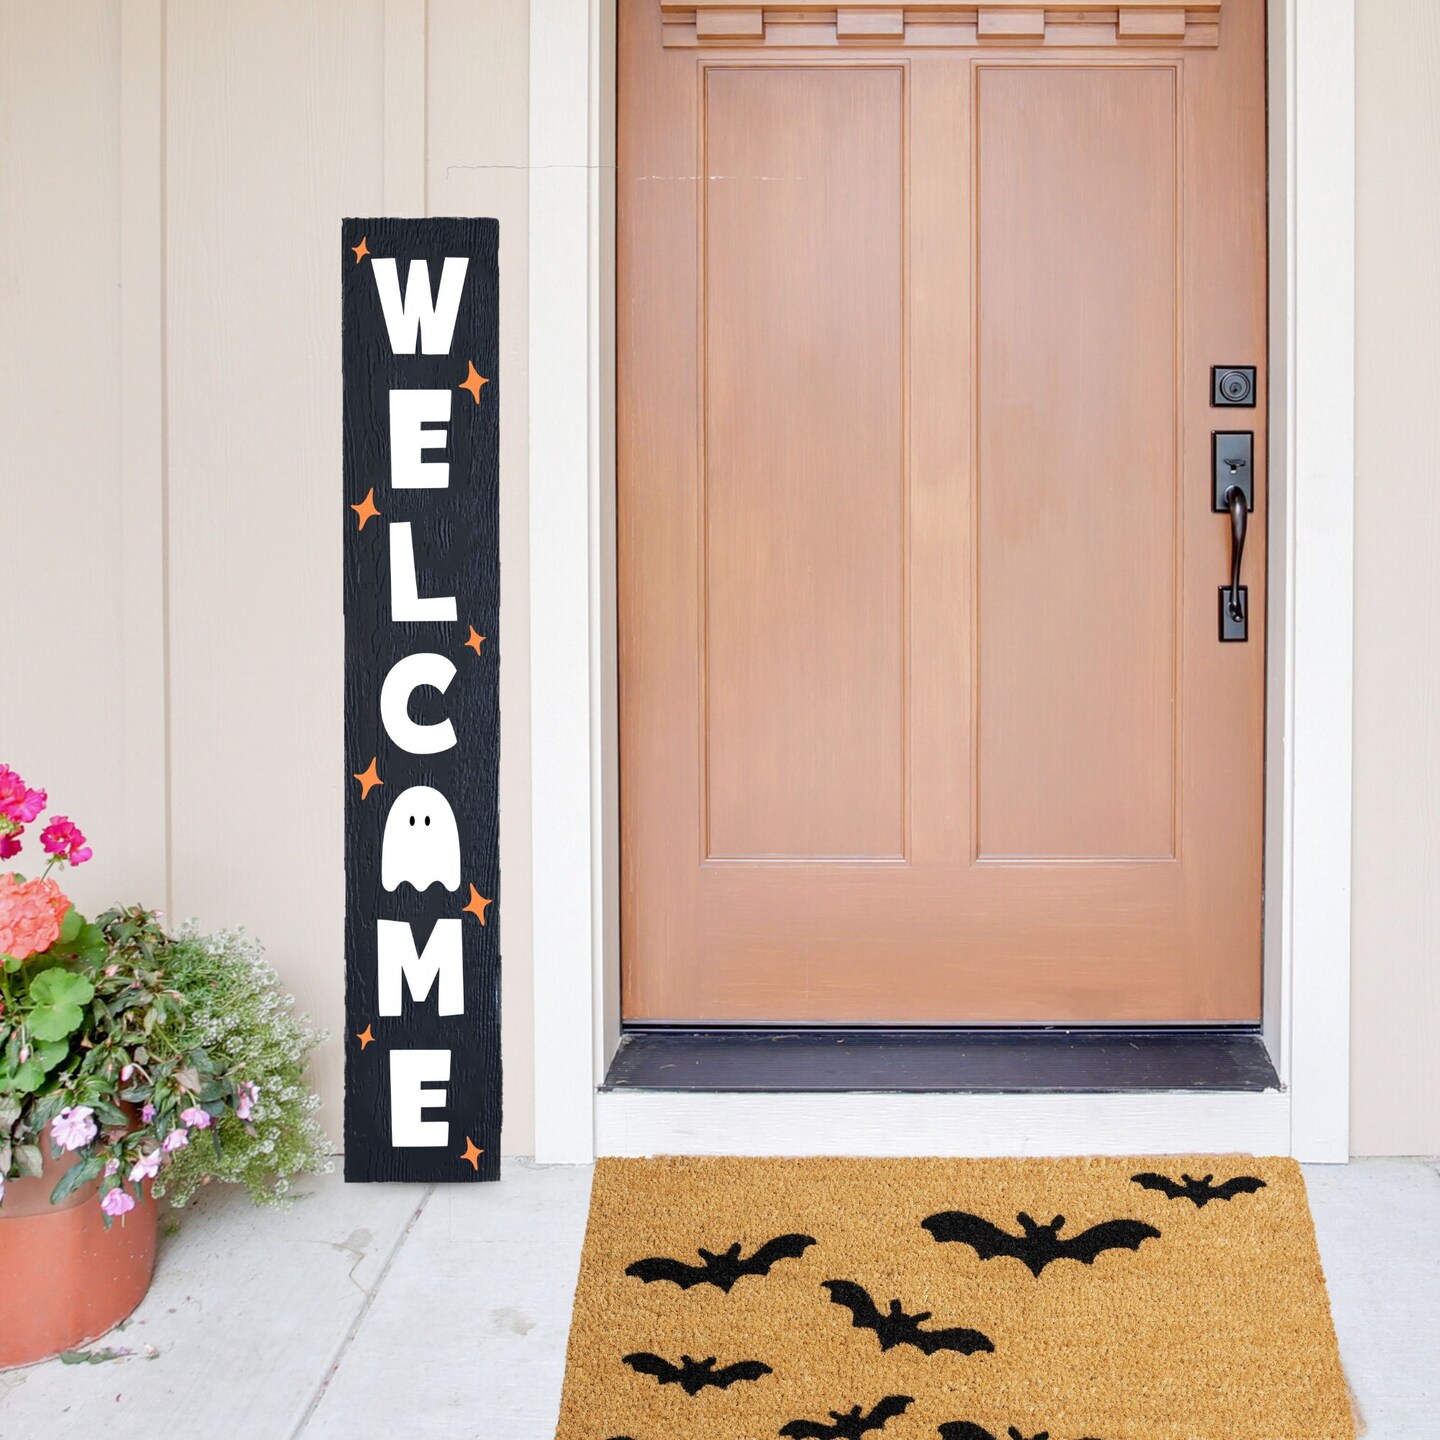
<point x="422" y="717"/>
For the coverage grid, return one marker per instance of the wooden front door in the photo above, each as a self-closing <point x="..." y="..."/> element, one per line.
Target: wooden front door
<point x="925" y="712"/>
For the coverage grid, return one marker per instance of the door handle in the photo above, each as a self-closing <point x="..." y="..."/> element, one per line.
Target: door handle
<point x="1239" y="515"/>
<point x="1234" y="493"/>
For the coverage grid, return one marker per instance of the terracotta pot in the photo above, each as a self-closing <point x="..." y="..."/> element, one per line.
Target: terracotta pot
<point x="64" y="1278"/>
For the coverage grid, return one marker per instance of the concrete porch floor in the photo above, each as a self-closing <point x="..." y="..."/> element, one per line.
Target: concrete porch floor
<point x="436" y="1313"/>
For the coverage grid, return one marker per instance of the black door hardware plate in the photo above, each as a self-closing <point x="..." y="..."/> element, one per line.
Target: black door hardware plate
<point x="1233" y="463"/>
<point x="1232" y="385"/>
<point x="1230" y="627"/>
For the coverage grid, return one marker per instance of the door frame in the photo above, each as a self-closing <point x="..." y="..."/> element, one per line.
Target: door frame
<point x="574" y="720"/>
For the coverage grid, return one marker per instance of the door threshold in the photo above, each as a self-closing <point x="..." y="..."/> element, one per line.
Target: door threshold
<point x="990" y="1061"/>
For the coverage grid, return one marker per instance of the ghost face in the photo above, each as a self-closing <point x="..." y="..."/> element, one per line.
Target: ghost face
<point x="422" y="842"/>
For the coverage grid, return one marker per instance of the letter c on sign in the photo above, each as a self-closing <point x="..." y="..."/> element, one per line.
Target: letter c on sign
<point x="405" y="677"/>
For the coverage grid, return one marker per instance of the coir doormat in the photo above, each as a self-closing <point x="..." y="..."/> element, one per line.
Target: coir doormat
<point x="1175" y="1298"/>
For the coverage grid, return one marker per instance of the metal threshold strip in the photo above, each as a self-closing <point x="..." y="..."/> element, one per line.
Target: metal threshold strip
<point x="993" y="1061"/>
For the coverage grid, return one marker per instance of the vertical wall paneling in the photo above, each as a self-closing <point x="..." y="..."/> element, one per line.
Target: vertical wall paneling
<point x="1396" y="1016"/>
<point x="406" y="43"/>
<point x="274" y="126"/>
<point x="144" y="695"/>
<point x="75" y="639"/>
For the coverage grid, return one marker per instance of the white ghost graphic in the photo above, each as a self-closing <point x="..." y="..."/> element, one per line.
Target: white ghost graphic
<point x="422" y="842"/>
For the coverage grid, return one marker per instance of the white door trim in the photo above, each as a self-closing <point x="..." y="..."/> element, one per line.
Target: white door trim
<point x="571" y="254"/>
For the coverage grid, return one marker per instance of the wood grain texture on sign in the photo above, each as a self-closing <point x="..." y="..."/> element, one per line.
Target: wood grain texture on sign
<point x="455" y="542"/>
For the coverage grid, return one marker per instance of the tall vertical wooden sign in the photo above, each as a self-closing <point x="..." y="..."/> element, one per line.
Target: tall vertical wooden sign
<point x="422" y="718"/>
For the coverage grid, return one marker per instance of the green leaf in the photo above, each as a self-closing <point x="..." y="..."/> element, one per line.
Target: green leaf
<point x="9" y="1113"/>
<point x="71" y="925"/>
<point x="57" y="996"/>
<point x="44" y="1056"/>
<point x="90" y="1168"/>
<point x="89" y="1357"/>
<point x="29" y="1161"/>
<point x="108" y="1113"/>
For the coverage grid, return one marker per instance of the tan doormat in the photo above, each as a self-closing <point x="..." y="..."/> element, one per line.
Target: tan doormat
<point x="835" y="1299"/>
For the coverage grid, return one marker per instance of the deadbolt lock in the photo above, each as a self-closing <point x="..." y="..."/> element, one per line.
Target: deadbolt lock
<point x="1232" y="385"/>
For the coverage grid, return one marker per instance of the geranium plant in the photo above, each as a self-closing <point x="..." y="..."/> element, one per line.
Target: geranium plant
<point x="101" y="1055"/>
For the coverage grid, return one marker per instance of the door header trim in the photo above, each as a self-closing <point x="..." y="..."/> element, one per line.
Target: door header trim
<point x="950" y="23"/>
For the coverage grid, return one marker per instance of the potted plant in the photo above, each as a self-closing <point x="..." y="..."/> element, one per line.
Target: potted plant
<point x="130" y="1061"/>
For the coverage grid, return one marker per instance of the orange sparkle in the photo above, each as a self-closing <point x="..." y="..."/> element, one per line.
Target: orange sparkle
<point x="361" y="250"/>
<point x="366" y="508"/>
<point x="369" y="778"/>
<point x="472" y="1153"/>
<point x="475" y="641"/>
<point x="477" y="905"/>
<point x="472" y="382"/>
<point x="365" y="1037"/>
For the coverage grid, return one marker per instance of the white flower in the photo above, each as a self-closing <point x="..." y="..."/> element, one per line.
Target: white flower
<point x="72" y="1128"/>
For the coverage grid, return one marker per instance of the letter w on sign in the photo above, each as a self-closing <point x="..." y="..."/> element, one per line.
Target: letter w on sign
<point x="420" y="519"/>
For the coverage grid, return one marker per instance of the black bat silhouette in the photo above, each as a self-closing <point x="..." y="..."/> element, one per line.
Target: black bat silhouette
<point x="1201" y="1191"/>
<point x="1040" y="1244"/>
<point x="724" y="1269"/>
<point x="968" y="1430"/>
<point x="692" y="1376"/>
<point x="898" y="1328"/>
<point x="849" y="1424"/>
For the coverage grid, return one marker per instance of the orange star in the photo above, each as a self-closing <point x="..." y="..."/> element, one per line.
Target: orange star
<point x="477" y="905"/>
<point x="369" y="778"/>
<point x="366" y="508"/>
<point x="361" y="250"/>
<point x="365" y="1037"/>
<point x="472" y="1153"/>
<point x="473" y="381"/>
<point x="475" y="641"/>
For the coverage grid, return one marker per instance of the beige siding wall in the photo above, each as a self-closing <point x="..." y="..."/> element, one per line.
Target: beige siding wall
<point x="1396" y="1015"/>
<point x="170" y="476"/>
<point x="279" y="117"/>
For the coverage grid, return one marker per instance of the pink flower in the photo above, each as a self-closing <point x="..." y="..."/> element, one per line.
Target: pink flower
<point x="145" y="1168"/>
<point x="176" y="1140"/>
<point x="2" y="1189"/>
<point x="112" y="1167"/>
<point x="117" y="1201"/>
<point x="62" y="839"/>
<point x="17" y="801"/>
<point x="10" y="842"/>
<point x="249" y="1094"/>
<point x="72" y="1128"/>
<point x="30" y="915"/>
<point x="197" y="1117"/>
<point x="126" y="1071"/>
<point x="147" y="1113"/>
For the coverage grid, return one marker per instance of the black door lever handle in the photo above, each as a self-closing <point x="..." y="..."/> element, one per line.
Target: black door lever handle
<point x="1235" y="499"/>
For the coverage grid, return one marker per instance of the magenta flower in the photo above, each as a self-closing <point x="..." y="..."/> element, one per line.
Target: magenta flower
<point x="197" y="1117"/>
<point x="62" y="839"/>
<point x="72" y="1128"/>
<point x="147" y="1113"/>
<point x="249" y="1094"/>
<point x="176" y="1140"/>
<point x="117" y="1201"/>
<point x="18" y="802"/>
<point x="10" y="842"/>
<point x="145" y="1168"/>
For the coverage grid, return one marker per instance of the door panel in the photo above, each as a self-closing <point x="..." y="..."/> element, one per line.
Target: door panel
<point x="1078" y="327"/>
<point x="802" y="468"/>
<point x="924" y="714"/>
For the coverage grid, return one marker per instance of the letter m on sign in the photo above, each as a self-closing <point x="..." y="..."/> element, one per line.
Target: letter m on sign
<point x="420" y="521"/>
